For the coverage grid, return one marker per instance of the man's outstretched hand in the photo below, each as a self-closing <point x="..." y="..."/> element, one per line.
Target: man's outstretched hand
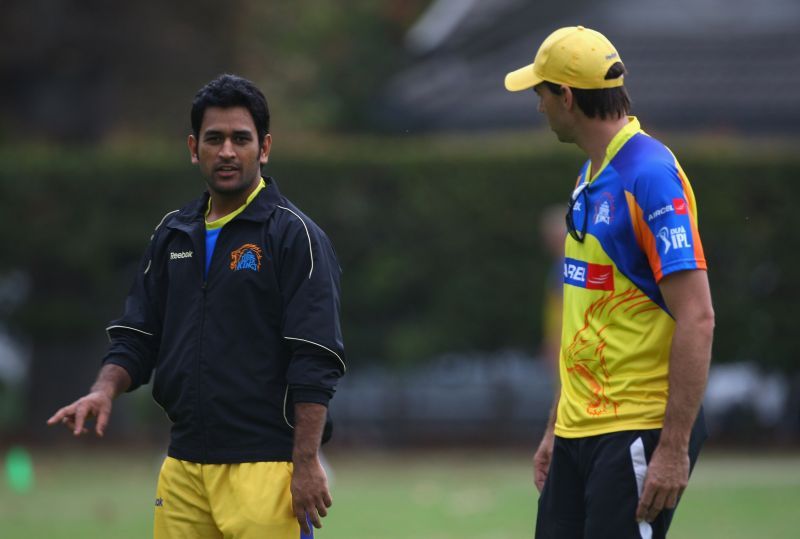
<point x="96" y="404"/>
<point x="111" y="381"/>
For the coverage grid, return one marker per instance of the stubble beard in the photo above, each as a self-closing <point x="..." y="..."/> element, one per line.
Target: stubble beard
<point x="229" y="190"/>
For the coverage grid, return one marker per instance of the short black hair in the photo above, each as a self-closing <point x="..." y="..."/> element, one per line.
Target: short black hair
<point x="231" y="91"/>
<point x="605" y="102"/>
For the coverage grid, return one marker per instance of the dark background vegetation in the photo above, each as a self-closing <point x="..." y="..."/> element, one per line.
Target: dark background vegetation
<point x="85" y="71"/>
<point x="438" y="243"/>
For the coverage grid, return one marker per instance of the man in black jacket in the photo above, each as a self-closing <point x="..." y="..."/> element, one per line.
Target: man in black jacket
<point x="235" y="307"/>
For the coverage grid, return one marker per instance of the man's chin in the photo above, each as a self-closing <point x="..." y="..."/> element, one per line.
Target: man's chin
<point x="229" y="186"/>
<point x="562" y="137"/>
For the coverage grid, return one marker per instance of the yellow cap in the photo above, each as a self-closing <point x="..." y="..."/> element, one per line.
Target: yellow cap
<point x="574" y="56"/>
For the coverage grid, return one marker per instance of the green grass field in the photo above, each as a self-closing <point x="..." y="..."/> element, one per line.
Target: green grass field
<point x="439" y="495"/>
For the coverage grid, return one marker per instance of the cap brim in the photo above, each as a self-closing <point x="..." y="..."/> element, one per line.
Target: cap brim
<point x="522" y="79"/>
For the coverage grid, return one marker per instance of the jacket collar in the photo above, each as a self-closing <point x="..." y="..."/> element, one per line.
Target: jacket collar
<point x="259" y="209"/>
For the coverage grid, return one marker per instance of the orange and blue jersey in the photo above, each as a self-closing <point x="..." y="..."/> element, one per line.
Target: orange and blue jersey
<point x="641" y="225"/>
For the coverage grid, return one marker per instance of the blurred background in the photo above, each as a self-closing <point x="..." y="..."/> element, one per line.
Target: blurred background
<point x="391" y="129"/>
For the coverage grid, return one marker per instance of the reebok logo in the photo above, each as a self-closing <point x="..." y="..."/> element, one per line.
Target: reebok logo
<point x="181" y="254"/>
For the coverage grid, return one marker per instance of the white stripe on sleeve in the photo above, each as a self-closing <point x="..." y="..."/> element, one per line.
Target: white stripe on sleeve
<point x="310" y="251"/>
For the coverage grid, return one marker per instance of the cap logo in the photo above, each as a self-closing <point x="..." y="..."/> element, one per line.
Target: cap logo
<point x="575" y="56"/>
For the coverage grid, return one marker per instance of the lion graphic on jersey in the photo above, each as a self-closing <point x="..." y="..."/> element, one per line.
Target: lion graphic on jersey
<point x="585" y="357"/>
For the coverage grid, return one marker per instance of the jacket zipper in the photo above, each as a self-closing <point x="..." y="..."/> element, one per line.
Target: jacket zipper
<point x="200" y="391"/>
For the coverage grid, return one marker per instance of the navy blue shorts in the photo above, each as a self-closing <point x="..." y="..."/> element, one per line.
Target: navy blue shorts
<point x="591" y="490"/>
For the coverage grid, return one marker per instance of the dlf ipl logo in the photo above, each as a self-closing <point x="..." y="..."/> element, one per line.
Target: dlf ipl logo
<point x="585" y="275"/>
<point x="673" y="238"/>
<point x="246" y="257"/>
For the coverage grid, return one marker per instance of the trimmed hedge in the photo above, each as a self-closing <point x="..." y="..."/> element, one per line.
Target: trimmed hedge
<point x="438" y="238"/>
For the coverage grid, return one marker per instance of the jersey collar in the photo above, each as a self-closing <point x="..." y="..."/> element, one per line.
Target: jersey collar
<point x="619" y="140"/>
<point x="222" y="221"/>
<point x="258" y="208"/>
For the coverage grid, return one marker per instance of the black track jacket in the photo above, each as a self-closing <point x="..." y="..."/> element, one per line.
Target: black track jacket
<point x="234" y="351"/>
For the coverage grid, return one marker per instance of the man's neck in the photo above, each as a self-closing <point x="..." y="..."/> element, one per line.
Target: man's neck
<point x="596" y="135"/>
<point x="224" y="203"/>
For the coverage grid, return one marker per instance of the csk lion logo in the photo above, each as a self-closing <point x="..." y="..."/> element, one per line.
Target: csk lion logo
<point x="585" y="357"/>
<point x="246" y="257"/>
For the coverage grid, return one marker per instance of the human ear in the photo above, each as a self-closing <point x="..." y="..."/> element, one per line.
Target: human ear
<point x="265" y="148"/>
<point x="192" y="143"/>
<point x="567" y="97"/>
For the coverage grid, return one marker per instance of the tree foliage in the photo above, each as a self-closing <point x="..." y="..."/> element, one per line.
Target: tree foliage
<point x="89" y="70"/>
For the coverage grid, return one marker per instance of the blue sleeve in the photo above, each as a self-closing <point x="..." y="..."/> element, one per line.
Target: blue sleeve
<point x="668" y="213"/>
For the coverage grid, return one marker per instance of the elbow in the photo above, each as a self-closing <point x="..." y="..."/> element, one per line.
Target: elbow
<point x="704" y="321"/>
<point x="699" y="320"/>
<point x="708" y="318"/>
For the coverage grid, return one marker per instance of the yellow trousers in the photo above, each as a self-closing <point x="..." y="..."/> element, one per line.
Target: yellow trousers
<point x="225" y="501"/>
